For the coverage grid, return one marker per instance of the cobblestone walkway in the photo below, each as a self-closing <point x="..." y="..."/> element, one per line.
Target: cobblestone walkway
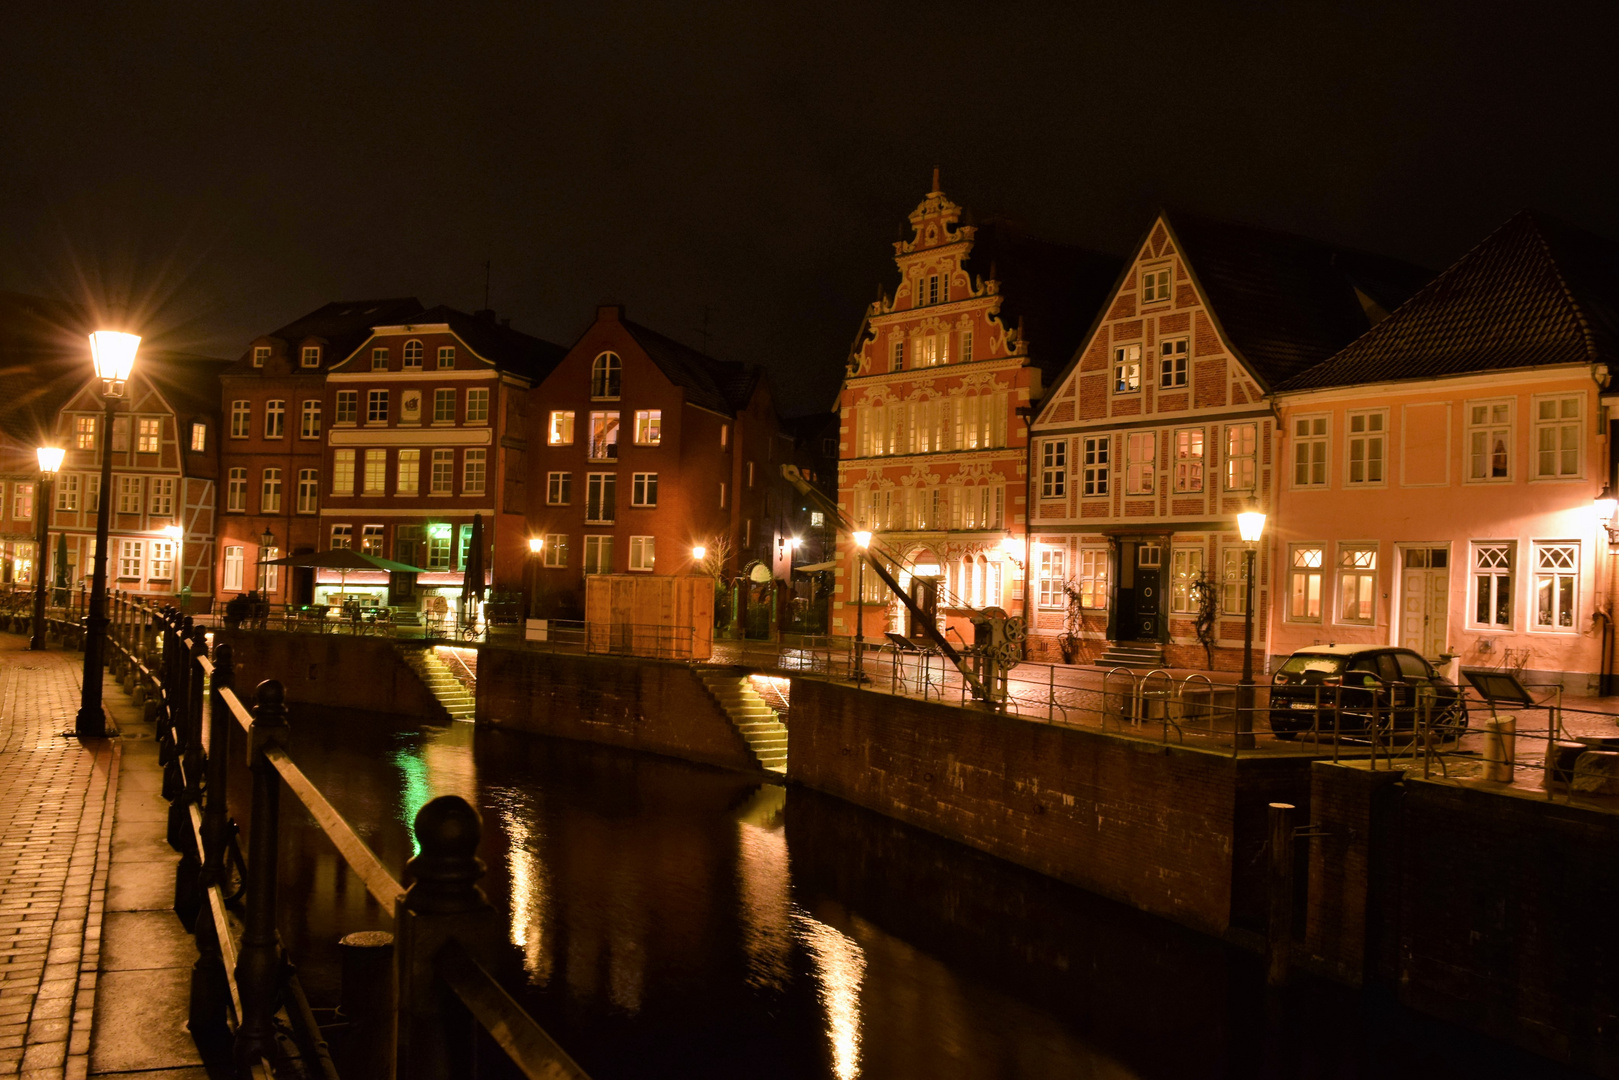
<point x="55" y="835"/>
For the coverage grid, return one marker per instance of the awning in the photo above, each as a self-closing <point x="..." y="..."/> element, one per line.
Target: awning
<point x="810" y="568"/>
<point x="344" y="559"/>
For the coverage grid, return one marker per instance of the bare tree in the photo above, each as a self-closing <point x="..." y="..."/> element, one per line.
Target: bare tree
<point x="717" y="556"/>
<point x="1206" y="604"/>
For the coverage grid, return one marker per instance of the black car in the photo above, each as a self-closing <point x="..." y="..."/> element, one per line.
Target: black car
<point x="1329" y="688"/>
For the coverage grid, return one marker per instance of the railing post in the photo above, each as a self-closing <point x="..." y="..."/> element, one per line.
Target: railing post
<point x="210" y="992"/>
<point x="258" y="967"/>
<point x="1279" y="927"/>
<point x="187" y="894"/>
<point x="445" y="902"/>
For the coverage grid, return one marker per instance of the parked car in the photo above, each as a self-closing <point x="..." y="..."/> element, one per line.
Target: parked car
<point x="1342" y="687"/>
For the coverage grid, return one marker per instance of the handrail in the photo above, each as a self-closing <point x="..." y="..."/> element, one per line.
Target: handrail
<point x="361" y="859"/>
<point x="525" y="1042"/>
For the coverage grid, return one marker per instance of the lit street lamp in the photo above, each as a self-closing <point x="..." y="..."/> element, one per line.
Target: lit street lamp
<point x="862" y="541"/>
<point x="178" y="534"/>
<point x="50" y="460"/>
<point x="1250" y="523"/>
<point x="113" y="354"/>
<point x="536" y="548"/>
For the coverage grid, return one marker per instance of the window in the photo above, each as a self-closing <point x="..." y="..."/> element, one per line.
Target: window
<point x="446" y="356"/>
<point x="1189" y="459"/>
<point x="162" y="496"/>
<point x="376" y="406"/>
<point x="443" y="479"/>
<point x="408" y="472"/>
<point x="1186" y="565"/>
<point x="1303" y="583"/>
<point x="270" y="492"/>
<point x="725" y="436"/>
<point x="1093" y="578"/>
<point x="1233" y="582"/>
<point x="129" y="494"/>
<point x="67" y="495"/>
<point x="413" y="355"/>
<point x="1366" y="446"/>
<point x="233" y="568"/>
<point x="473" y="468"/>
<point x="750" y="474"/>
<point x="162" y="560"/>
<point x="84" y="431"/>
<point x="556" y="550"/>
<point x="1557" y="573"/>
<point x="966" y="346"/>
<point x="477" y="406"/>
<point x="241" y="416"/>
<point x="261" y="353"/>
<point x="641" y="555"/>
<point x="308" y="491"/>
<point x="146" y="435"/>
<point x="1054" y="469"/>
<point x="311" y="356"/>
<point x="270" y="572"/>
<point x="376" y="472"/>
<point x="1127" y="369"/>
<point x="343" y="472"/>
<point x="1050" y="579"/>
<point x="438" y="547"/>
<point x="1357" y="583"/>
<point x="598" y="554"/>
<point x="379" y="358"/>
<point x="604" y="436"/>
<point x="309" y="420"/>
<point x="604" y="376"/>
<point x="601" y="497"/>
<point x="1557" y="437"/>
<point x="371" y="540"/>
<point x="1489" y="439"/>
<point x="644" y="491"/>
<point x="1172" y="363"/>
<point x="725" y="492"/>
<point x="275" y="418"/>
<point x="347" y="405"/>
<point x="236" y="491"/>
<point x="342" y="537"/>
<point x="899" y="352"/>
<point x="1310" y="451"/>
<point x="1240" y="442"/>
<point x="1492" y="584"/>
<point x="22" y="502"/>
<point x="199" y="436"/>
<point x="648" y="427"/>
<point x="1140" y="466"/>
<point x="131" y="559"/>
<point x="558" y="488"/>
<point x="1094" y="464"/>
<point x="560" y="429"/>
<point x="1155" y="286"/>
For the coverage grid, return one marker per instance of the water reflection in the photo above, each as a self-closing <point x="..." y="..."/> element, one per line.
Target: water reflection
<point x="840" y="966"/>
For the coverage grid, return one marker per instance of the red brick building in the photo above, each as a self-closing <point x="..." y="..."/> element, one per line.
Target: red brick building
<point x="646" y="448"/>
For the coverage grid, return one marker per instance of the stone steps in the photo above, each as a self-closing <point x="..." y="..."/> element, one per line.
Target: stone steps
<point x="755" y="721"/>
<point x="449" y="690"/>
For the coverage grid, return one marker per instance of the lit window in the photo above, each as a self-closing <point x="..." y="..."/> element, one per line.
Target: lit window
<point x="1310" y="451"/>
<point x="1366" y="447"/>
<point x="1141" y="451"/>
<point x="601" y="497"/>
<point x="84" y="432"/>
<point x="556" y="550"/>
<point x="233" y="569"/>
<point x="598" y="554"/>
<point x="1492" y="584"/>
<point x="1094" y="462"/>
<point x="444" y="406"/>
<point x="1304" y="583"/>
<point x="146" y="434"/>
<point x="275" y="418"/>
<point x="236" y="491"/>
<point x="1557" y="436"/>
<point x="648" y="427"/>
<point x="446" y="356"/>
<point x="817" y="520"/>
<point x="1093" y="578"/>
<point x="308" y="491"/>
<point x="1357" y="583"/>
<point x="343" y="472"/>
<point x="438" y="547"/>
<point x="347" y="406"/>
<point x="379" y="358"/>
<point x="1155" y="286"/>
<point x="371" y="540"/>
<point x="1233" y="582"/>
<point x="376" y="472"/>
<point x="241" y="416"/>
<point x="1189" y="459"/>
<point x="1050" y="578"/>
<point x="1557" y="576"/>
<point x="1186" y="566"/>
<point x="162" y="496"/>
<point x="443" y="479"/>
<point x="131" y="559"/>
<point x="604" y="376"/>
<point x="309" y="420"/>
<point x="162" y="560"/>
<point x="477" y="406"/>
<point x="408" y="472"/>
<point x="1172" y="363"/>
<point x="559" y="432"/>
<point x="22" y="502"/>
<point x="1127" y="369"/>
<point x="311" y="357"/>
<point x="473" y="464"/>
<point x="644" y="491"/>
<point x="1489" y="441"/>
<point x="641" y="552"/>
<point x="130" y="489"/>
<point x="261" y="353"/>
<point x="376" y="406"/>
<point x="559" y="488"/>
<point x="1240" y="447"/>
<point x="1054" y="469"/>
<point x="342" y="537"/>
<point x="413" y="355"/>
<point x="270" y="492"/>
<point x="199" y="436"/>
<point x="604" y="436"/>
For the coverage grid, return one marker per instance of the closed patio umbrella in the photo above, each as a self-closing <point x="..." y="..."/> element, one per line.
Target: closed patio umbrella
<point x="472" y="580"/>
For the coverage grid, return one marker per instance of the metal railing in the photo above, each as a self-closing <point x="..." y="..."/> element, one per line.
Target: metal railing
<point x="414" y="998"/>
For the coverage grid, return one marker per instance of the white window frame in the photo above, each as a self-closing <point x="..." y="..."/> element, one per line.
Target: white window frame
<point x="342" y="537"/>
<point x="374" y="473"/>
<point x="1186" y="563"/>
<point x="1054" y="469"/>
<point x="1096" y="456"/>
<point x="161" y="562"/>
<point x="236" y="491"/>
<point x="408" y="471"/>
<point x="308" y="491"/>
<point x="309" y="419"/>
<point x="643" y="553"/>
<point x="131" y="493"/>
<point x="1174" y="363"/>
<point x="1494" y="574"/>
<point x="376" y="406"/>
<point x="598" y="554"/>
<point x="477" y="405"/>
<point x="1127" y="368"/>
<point x="148" y="429"/>
<point x="1049" y="579"/>
<point x="1157" y="285"/>
<point x="414" y="357"/>
<point x="445" y="357"/>
<point x="1357" y="569"/>
<point x="241" y="422"/>
<point x="559" y="429"/>
<point x="1241" y="456"/>
<point x="1312" y="436"/>
<point x="261" y="353"/>
<point x="601" y="498"/>
<point x="234" y="564"/>
<point x="1366" y="443"/>
<point x="556" y="551"/>
<point x="1092" y="577"/>
<point x="1490" y="422"/>
<point x="1305" y="570"/>
<point x="379" y="359"/>
<point x="310" y="357"/>
<point x="444" y="405"/>
<point x="1556" y="563"/>
<point x="1141" y="462"/>
<point x="348" y="407"/>
<point x="1564" y="431"/>
<point x="161" y="497"/>
<point x="606" y="376"/>
<point x="199" y="436"/>
<point x="441" y="478"/>
<point x="131" y="560"/>
<point x="602" y="424"/>
<point x="642" y="485"/>
<point x="558" y="488"/>
<point x="343" y="465"/>
<point x="275" y="418"/>
<point x="270" y="491"/>
<point x="474" y="471"/>
<point x="1190" y="448"/>
<point x="648" y="427"/>
<point x="1233" y="580"/>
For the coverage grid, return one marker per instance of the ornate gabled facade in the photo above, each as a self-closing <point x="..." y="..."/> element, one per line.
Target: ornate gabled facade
<point x="933" y="445"/>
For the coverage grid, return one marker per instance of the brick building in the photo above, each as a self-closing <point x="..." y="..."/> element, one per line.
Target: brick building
<point x="934" y="447"/>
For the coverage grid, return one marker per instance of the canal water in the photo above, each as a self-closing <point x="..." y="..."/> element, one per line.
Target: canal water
<point x="669" y="920"/>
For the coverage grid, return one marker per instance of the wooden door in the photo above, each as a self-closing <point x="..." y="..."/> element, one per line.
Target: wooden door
<point x="1425" y="600"/>
<point x="1148" y="594"/>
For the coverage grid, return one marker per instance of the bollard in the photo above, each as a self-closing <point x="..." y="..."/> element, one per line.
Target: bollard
<point x="367" y="1005"/>
<point x="1500" y="745"/>
<point x="258" y="966"/>
<point x="1279" y="927"/>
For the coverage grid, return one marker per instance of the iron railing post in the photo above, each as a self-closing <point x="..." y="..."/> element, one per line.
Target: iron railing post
<point x="258" y="967"/>
<point x="187" y="893"/>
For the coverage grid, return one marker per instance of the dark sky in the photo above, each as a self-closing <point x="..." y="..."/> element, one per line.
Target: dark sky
<point x="223" y="168"/>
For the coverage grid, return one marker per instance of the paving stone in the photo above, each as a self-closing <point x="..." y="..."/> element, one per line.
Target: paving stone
<point x="141" y="1021"/>
<point x="134" y="940"/>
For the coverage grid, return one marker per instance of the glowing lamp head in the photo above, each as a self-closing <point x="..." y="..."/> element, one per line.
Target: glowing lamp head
<point x="1011" y="547"/>
<point x="699" y="553"/>
<point x="1604" y="506"/>
<point x="863" y="539"/>
<point x="536" y="544"/>
<point x="50" y="458"/>
<point x="174" y="532"/>
<point x="792" y="543"/>
<point x="113" y="354"/>
<point x="1251" y="523"/>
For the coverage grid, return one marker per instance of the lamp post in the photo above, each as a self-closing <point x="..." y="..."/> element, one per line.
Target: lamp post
<point x="113" y="354"/>
<point x="536" y="549"/>
<point x="1250" y="523"/>
<point x="177" y="534"/>
<point x="1606" y="506"/>
<point x="266" y="543"/>
<point x="50" y="460"/>
<point x="862" y="541"/>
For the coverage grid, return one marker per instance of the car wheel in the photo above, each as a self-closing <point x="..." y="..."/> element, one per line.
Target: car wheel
<point x="1451" y="725"/>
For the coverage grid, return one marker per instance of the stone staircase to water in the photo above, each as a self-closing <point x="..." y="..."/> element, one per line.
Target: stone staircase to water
<point x="452" y="694"/>
<point x="758" y="723"/>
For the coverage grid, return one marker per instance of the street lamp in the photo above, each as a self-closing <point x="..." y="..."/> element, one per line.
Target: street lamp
<point x="266" y="544"/>
<point x="536" y="548"/>
<point x="1250" y="523"/>
<point x="862" y="541"/>
<point x="699" y="553"/>
<point x="50" y="460"/>
<point x="176" y="533"/>
<point x="113" y="354"/>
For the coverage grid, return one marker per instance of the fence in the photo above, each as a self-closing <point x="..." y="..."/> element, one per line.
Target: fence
<point x="415" y="1000"/>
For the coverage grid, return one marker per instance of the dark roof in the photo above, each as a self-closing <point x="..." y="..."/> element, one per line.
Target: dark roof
<point x="510" y="350"/>
<point x="1535" y="291"/>
<point x="722" y="386"/>
<point x="1055" y="290"/>
<point x="1287" y="303"/>
<point x="344" y="324"/>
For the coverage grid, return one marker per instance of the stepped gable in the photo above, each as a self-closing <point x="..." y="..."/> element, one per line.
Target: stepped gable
<point x="1534" y="292"/>
<point x="1284" y="302"/>
<point x="720" y="386"/>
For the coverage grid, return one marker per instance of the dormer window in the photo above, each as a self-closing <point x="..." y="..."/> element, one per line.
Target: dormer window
<point x="311" y="357"/>
<point x="379" y="359"/>
<point x="604" y="376"/>
<point x="413" y="355"/>
<point x="446" y="356"/>
<point x="261" y="353"/>
<point x="1155" y="286"/>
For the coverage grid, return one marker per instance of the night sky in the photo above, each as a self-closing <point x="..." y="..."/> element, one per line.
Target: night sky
<point x="223" y="168"/>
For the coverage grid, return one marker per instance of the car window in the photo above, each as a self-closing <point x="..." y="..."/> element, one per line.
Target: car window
<point x="1387" y="669"/>
<point x="1313" y="667"/>
<point x="1413" y="666"/>
<point x="1364" y="663"/>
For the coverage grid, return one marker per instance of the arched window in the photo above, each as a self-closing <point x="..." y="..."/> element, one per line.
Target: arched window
<point x="604" y="376"/>
<point x="413" y="356"/>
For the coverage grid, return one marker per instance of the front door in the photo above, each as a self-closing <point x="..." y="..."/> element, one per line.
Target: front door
<point x="1425" y="599"/>
<point x="1148" y="593"/>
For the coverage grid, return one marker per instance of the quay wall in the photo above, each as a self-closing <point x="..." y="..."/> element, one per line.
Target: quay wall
<point x="1174" y="831"/>
<point x="339" y="670"/>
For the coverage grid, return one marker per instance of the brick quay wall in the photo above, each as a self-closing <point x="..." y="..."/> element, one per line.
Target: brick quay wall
<point x="338" y="670"/>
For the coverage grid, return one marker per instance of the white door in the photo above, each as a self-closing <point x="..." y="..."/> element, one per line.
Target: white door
<point x="1424" y="599"/>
